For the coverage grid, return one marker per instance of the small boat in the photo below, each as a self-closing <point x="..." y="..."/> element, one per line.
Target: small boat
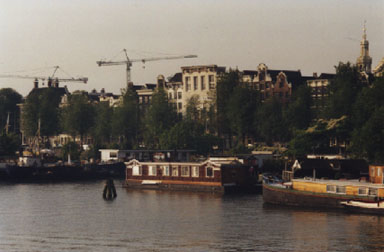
<point x="364" y="207"/>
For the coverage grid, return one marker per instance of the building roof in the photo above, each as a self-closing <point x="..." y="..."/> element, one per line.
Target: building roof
<point x="327" y="76"/>
<point x="58" y="90"/>
<point x="176" y="78"/>
<point x="293" y="77"/>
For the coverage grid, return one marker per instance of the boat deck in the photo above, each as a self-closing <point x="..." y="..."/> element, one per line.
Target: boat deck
<point x="356" y="183"/>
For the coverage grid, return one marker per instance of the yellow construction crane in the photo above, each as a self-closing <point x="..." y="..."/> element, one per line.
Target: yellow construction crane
<point x="128" y="62"/>
<point x="51" y="80"/>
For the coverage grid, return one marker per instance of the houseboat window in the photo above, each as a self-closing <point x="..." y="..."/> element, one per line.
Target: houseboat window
<point x="331" y="188"/>
<point x="165" y="170"/>
<point x="185" y="171"/>
<point x="209" y="172"/>
<point x="372" y="172"/>
<point x="136" y="170"/>
<point x="113" y="154"/>
<point x="363" y="191"/>
<point x="340" y="189"/>
<point x="195" y="171"/>
<point x="175" y="171"/>
<point x="372" y="191"/>
<point x="152" y="170"/>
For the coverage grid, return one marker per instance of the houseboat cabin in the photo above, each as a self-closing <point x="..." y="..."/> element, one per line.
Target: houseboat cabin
<point x="213" y="175"/>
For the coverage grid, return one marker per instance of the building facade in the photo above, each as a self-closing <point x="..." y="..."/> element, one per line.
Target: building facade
<point x="319" y="90"/>
<point x="273" y="83"/>
<point x="200" y="82"/>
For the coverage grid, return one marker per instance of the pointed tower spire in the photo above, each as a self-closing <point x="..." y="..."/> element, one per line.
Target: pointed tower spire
<point x="364" y="62"/>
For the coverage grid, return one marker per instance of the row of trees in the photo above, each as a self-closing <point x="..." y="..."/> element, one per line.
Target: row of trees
<point x="354" y="115"/>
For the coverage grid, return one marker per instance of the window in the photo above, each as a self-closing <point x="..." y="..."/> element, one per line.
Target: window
<point x="136" y="170"/>
<point x="378" y="171"/>
<point x="195" y="171"/>
<point x="262" y="86"/>
<point x="175" y="171"/>
<point x="170" y="96"/>
<point x="187" y="83"/>
<point x="152" y="170"/>
<point x="331" y="188"/>
<point x="281" y="94"/>
<point x="363" y="191"/>
<point x="209" y="172"/>
<point x="195" y="83"/>
<point x="372" y="192"/>
<point x="340" y="189"/>
<point x="286" y="94"/>
<point x="113" y="154"/>
<point x="179" y="95"/>
<point x="266" y="85"/>
<point x="372" y="172"/>
<point x="202" y="81"/>
<point x="180" y="105"/>
<point x="281" y="84"/>
<point x="185" y="171"/>
<point x="165" y="170"/>
<point x="211" y="80"/>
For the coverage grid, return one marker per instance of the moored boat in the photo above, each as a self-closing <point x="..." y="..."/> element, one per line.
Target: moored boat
<point x="217" y="175"/>
<point x="364" y="207"/>
<point x="325" y="193"/>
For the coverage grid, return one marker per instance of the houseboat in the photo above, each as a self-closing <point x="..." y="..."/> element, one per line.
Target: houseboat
<point x="213" y="175"/>
<point x="325" y="193"/>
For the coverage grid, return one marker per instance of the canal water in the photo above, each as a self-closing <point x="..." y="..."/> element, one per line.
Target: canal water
<point x="74" y="217"/>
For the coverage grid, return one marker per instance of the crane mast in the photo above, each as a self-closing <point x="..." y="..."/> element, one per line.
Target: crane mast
<point x="128" y="62"/>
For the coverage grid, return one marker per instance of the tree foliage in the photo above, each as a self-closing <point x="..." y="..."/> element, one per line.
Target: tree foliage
<point x="159" y="118"/>
<point x="9" y="99"/>
<point x="78" y="116"/>
<point x="42" y="105"/>
<point x="125" y="121"/>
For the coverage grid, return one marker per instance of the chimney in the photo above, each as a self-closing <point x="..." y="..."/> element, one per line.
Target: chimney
<point x="314" y="75"/>
<point x="49" y="82"/>
<point x="56" y="83"/>
<point x="36" y="83"/>
<point x="102" y="91"/>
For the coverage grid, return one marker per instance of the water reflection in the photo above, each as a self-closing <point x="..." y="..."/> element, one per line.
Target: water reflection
<point x="74" y="216"/>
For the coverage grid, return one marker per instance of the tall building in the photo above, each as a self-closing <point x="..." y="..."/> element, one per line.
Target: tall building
<point x="200" y="82"/>
<point x="364" y="61"/>
<point x="319" y="90"/>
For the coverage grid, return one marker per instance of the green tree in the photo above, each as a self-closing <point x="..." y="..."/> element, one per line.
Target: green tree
<point x="9" y="144"/>
<point x="9" y="99"/>
<point x="78" y="116"/>
<point x="368" y="133"/>
<point x="271" y="126"/>
<point x="225" y="86"/>
<point x="125" y="121"/>
<point x="298" y="114"/>
<point x="241" y="108"/>
<point x="344" y="90"/>
<point x="102" y="129"/>
<point x="159" y="118"/>
<point x="42" y="105"/>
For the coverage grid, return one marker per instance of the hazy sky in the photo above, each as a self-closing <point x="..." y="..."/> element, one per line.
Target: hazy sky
<point x="309" y="35"/>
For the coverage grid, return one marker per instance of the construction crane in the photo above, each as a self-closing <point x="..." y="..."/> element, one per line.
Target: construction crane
<point x="128" y="62"/>
<point x="50" y="79"/>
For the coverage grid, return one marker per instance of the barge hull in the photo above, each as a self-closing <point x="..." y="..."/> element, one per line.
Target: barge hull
<point x="195" y="187"/>
<point x="290" y="197"/>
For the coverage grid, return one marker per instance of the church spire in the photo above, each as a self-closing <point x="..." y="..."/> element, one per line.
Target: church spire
<point x="364" y="62"/>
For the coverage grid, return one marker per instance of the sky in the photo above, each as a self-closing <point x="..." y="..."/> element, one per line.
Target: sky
<point x="310" y="35"/>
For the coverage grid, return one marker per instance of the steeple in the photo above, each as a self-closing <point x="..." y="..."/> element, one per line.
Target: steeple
<point x="364" y="62"/>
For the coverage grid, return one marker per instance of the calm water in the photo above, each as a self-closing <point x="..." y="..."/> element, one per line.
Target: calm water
<point x="74" y="217"/>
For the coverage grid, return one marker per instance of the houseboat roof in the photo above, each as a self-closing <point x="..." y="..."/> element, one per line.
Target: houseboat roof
<point x="351" y="182"/>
